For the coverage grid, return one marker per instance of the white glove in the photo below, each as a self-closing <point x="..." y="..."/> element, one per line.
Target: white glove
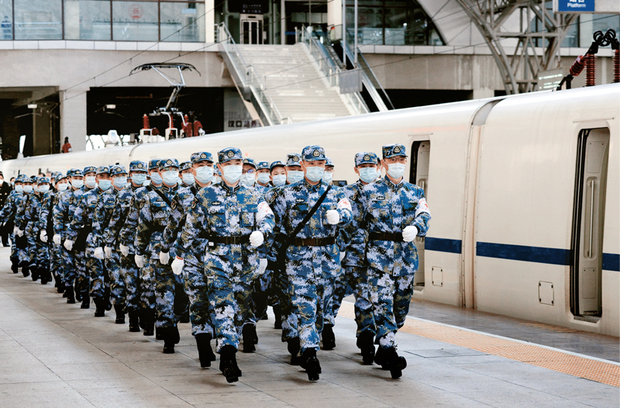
<point x="177" y="265"/>
<point x="139" y="261"/>
<point x="69" y="245"/>
<point x="20" y="233"/>
<point x="409" y="233"/>
<point x="257" y="238"/>
<point x="43" y="236"/>
<point x="99" y="253"/>
<point x="15" y="229"/>
<point x="333" y="217"/>
<point x="124" y="250"/>
<point x="164" y="257"/>
<point x="57" y="239"/>
<point x="108" y="252"/>
<point x="262" y="266"/>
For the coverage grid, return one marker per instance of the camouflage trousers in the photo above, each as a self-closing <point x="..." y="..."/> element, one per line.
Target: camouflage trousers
<point x="231" y="271"/>
<point x="56" y="259"/>
<point x="197" y="289"/>
<point x="68" y="270"/>
<point x="117" y="282"/>
<point x="133" y="284"/>
<point x="354" y="281"/>
<point x="42" y="259"/>
<point x="80" y="272"/>
<point x="147" y="283"/>
<point x="165" y="291"/>
<point x="283" y="291"/>
<point x="99" y="280"/>
<point x="390" y="297"/>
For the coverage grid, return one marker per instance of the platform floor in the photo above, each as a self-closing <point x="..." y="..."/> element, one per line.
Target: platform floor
<point x="58" y="355"/>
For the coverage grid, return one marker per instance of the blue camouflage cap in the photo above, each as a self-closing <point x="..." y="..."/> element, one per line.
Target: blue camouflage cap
<point x="202" y="156"/>
<point x="90" y="169"/>
<point x="75" y="173"/>
<point x="249" y="161"/>
<point x="313" y="153"/>
<point x="56" y="174"/>
<point x="41" y="180"/>
<point x="275" y="164"/>
<point x="166" y="163"/>
<point x="329" y="162"/>
<point x="365" y="158"/>
<point x="262" y="166"/>
<point x="185" y="166"/>
<point x="154" y="164"/>
<point x="103" y="170"/>
<point x="117" y="169"/>
<point x="230" y="153"/>
<point x="193" y="156"/>
<point x="137" y="165"/>
<point x="293" y="159"/>
<point x="20" y="178"/>
<point x="31" y="179"/>
<point x="394" y="150"/>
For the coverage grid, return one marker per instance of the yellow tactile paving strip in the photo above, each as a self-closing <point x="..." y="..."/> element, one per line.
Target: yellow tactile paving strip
<point x="577" y="366"/>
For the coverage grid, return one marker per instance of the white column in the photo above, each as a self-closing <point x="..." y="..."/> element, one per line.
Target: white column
<point x="334" y="13"/>
<point x="73" y="118"/>
<point x="209" y="21"/>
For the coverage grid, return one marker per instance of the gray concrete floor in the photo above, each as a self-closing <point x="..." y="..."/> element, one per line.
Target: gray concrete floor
<point x="58" y="355"/>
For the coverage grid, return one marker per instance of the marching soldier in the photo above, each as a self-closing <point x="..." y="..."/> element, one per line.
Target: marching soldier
<point x="395" y="212"/>
<point x="7" y="217"/>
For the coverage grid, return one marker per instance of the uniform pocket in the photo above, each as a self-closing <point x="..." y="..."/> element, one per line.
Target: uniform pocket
<point x="217" y="216"/>
<point x="248" y="216"/>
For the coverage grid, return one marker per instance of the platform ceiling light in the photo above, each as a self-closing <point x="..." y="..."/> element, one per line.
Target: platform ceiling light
<point x="32" y="106"/>
<point x="110" y="106"/>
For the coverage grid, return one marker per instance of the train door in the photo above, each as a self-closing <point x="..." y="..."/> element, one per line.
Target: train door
<point x="588" y="221"/>
<point x="420" y="155"/>
<point x="251" y="29"/>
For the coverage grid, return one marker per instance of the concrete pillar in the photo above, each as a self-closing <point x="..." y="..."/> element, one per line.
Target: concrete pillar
<point x="586" y="29"/>
<point x="334" y="14"/>
<point x="483" y="93"/>
<point x="209" y="21"/>
<point x="41" y="133"/>
<point x="73" y="118"/>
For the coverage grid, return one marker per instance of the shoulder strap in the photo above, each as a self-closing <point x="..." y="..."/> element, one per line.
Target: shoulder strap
<point x="163" y="196"/>
<point x="311" y="213"/>
<point x="194" y="190"/>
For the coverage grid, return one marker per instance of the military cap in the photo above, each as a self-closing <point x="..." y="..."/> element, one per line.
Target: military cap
<point x="165" y="163"/>
<point x="202" y="156"/>
<point x="365" y="158"/>
<point x="394" y="150"/>
<point x="154" y="164"/>
<point x="293" y="159"/>
<point x="42" y="180"/>
<point x="329" y="162"/>
<point x="228" y="154"/>
<point x="193" y="156"/>
<point x="249" y="161"/>
<point x="262" y="166"/>
<point x="103" y="170"/>
<point x="90" y="169"/>
<point x="313" y="153"/>
<point x="20" y="178"/>
<point x="75" y="173"/>
<point x="275" y="164"/>
<point x="60" y="176"/>
<point x="117" y="169"/>
<point x="56" y="175"/>
<point x="31" y="179"/>
<point x="137" y="165"/>
<point x="185" y="166"/>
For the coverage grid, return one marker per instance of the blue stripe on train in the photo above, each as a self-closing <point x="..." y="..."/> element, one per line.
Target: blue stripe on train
<point x="554" y="256"/>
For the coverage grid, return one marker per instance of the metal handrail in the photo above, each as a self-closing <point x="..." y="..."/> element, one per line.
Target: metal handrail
<point x="250" y="79"/>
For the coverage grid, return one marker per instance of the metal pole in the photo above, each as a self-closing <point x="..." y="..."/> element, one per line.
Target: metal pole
<point x="344" y="33"/>
<point x="355" y="38"/>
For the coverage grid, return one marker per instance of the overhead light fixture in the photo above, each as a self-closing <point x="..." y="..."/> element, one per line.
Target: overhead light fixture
<point x="110" y="106"/>
<point x="32" y="106"/>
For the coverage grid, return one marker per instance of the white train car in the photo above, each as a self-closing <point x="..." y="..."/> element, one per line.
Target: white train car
<point x="524" y="193"/>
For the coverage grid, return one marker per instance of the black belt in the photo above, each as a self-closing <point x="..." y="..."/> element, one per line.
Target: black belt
<point x="386" y="236"/>
<point x="314" y="241"/>
<point x="232" y="240"/>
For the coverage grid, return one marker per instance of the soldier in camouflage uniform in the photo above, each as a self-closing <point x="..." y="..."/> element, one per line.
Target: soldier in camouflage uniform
<point x="7" y="217"/>
<point x="395" y="212"/>
<point x="355" y="279"/>
<point x="129" y="272"/>
<point x="235" y="220"/>
<point x="185" y="172"/>
<point x="313" y="252"/>
<point x="263" y="179"/>
<point x="62" y="216"/>
<point x="196" y="285"/>
<point x="56" y="261"/>
<point x="36" y="214"/>
<point x="146" y="280"/>
<point x="26" y="245"/>
<point x="153" y="217"/>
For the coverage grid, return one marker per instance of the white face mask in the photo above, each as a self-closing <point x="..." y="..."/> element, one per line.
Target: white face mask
<point x="90" y="181"/>
<point x="396" y="170"/>
<point x="279" y="180"/>
<point x="232" y="173"/>
<point x="62" y="186"/>
<point x="27" y="189"/>
<point x="1" y="182"/>
<point x="204" y="174"/>
<point x="293" y="176"/>
<point x="263" y="178"/>
<point x="248" y="179"/>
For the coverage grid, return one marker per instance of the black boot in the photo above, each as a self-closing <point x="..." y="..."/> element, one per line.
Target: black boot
<point x="78" y="291"/>
<point x="184" y="317"/>
<point x="228" y="364"/>
<point x="70" y="295"/>
<point x="365" y="344"/>
<point x="205" y="352"/>
<point x="99" y="306"/>
<point x="147" y="321"/>
<point x="380" y="358"/>
<point x="85" y="300"/>
<point x="60" y="287"/>
<point x="294" y="346"/>
<point x="159" y="334"/>
<point x="329" y="339"/>
<point x="34" y="273"/>
<point x="120" y="314"/>
<point x="395" y="363"/>
<point x="45" y="275"/>
<point x="14" y="264"/>
<point x="25" y="270"/>
<point x="310" y="363"/>
<point x="171" y="337"/>
<point x="250" y="338"/>
<point x="134" y="322"/>
<point x="277" y="312"/>
<point x="107" y="303"/>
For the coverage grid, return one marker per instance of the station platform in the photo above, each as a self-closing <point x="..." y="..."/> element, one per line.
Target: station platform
<point x="57" y="355"/>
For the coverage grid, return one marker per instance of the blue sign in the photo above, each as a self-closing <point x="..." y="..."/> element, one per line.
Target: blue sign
<point x="575" y="6"/>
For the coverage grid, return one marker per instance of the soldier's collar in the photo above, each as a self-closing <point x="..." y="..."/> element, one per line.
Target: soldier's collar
<point x="391" y="184"/>
<point x="310" y="186"/>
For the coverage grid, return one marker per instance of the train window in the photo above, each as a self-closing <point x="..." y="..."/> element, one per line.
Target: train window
<point x="420" y="155"/>
<point x="588" y="221"/>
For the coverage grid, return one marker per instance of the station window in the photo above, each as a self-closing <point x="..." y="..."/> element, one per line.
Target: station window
<point x="38" y="19"/>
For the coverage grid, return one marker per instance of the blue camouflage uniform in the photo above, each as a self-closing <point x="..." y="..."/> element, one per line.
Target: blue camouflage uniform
<point x="313" y="258"/>
<point x="7" y="216"/>
<point x="25" y="244"/>
<point x="36" y="222"/>
<point x="388" y="210"/>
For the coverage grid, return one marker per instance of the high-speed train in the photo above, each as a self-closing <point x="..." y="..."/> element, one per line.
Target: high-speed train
<point x="524" y="193"/>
